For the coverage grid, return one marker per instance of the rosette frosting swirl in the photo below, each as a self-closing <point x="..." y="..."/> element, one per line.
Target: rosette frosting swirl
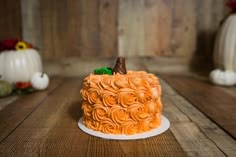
<point x="108" y="126"/>
<point x="118" y="114"/>
<point x="93" y="95"/>
<point x="109" y="98"/>
<point x="126" y="97"/>
<point x="99" y="112"/>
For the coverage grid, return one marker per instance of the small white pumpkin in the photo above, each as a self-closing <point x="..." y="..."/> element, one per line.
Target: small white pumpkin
<point x="19" y="65"/>
<point x="224" y="78"/>
<point x="39" y="81"/>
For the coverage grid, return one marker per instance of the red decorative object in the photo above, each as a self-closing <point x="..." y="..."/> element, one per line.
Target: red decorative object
<point x="232" y="5"/>
<point x="23" y="85"/>
<point x="8" y="44"/>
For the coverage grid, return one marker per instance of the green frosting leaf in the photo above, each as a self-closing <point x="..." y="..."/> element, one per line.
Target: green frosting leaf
<point x="101" y="71"/>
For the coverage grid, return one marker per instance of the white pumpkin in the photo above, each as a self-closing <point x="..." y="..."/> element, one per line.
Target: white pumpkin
<point x="19" y="65"/>
<point x="39" y="81"/>
<point x="225" y="45"/>
<point x="224" y="78"/>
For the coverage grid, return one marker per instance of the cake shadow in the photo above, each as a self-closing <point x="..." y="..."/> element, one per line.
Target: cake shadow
<point x="75" y="110"/>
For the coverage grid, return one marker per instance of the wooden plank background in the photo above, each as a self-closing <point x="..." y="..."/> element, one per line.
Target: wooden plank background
<point x="107" y="28"/>
<point x="204" y="96"/>
<point x="81" y="28"/>
<point x="10" y="19"/>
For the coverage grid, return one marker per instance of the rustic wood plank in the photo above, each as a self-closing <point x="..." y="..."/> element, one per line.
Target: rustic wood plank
<point x="131" y="32"/>
<point x="86" y="28"/>
<point x="214" y="133"/>
<point x="89" y="27"/>
<point x="209" y="16"/>
<point x="31" y="22"/>
<point x="229" y="90"/>
<point x="157" y="27"/>
<point x="55" y="121"/>
<point x="191" y="138"/>
<point x="15" y="113"/>
<point x="52" y="130"/>
<point x="219" y="137"/>
<point x="58" y="27"/>
<point x="108" y="41"/>
<point x="10" y="21"/>
<point x="48" y="46"/>
<point x="72" y="39"/>
<point x="163" y="145"/>
<point x="75" y="66"/>
<point x="194" y="142"/>
<point x="72" y="28"/>
<point x="6" y="101"/>
<point x="173" y="113"/>
<point x="212" y="101"/>
<point x="184" y="31"/>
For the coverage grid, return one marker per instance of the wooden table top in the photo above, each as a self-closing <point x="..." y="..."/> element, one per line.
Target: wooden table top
<point x="202" y="117"/>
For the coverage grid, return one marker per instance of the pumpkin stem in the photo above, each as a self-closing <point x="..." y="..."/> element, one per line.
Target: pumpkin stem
<point x="42" y="74"/>
<point x="120" y="66"/>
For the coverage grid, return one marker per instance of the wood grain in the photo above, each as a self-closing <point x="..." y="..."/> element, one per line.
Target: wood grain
<point x="10" y="19"/>
<point x="163" y="145"/>
<point x="6" y="101"/>
<point x="79" y="28"/>
<point x="48" y="46"/>
<point x="130" y="27"/>
<point x="194" y="142"/>
<point x="86" y="28"/>
<point x="223" y="141"/>
<point x="108" y="41"/>
<point x="15" y="113"/>
<point x="51" y="130"/>
<point x="89" y="27"/>
<point x="211" y="100"/>
<point x="208" y="19"/>
<point x="71" y="38"/>
<point x="31" y="22"/>
<point x="180" y="111"/>
<point x="158" y="21"/>
<point x="52" y="125"/>
<point x="184" y="31"/>
<point x="231" y="90"/>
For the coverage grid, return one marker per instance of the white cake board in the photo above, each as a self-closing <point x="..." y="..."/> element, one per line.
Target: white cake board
<point x="165" y="124"/>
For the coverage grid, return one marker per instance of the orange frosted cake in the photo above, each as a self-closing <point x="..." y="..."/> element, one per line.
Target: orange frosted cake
<point x="120" y="101"/>
<point x="122" y="104"/>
